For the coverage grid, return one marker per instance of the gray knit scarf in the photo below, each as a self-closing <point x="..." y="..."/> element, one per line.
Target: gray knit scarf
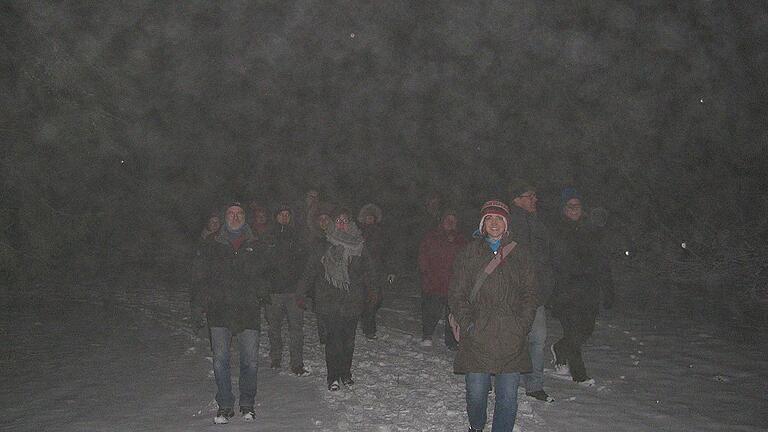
<point x="344" y="245"/>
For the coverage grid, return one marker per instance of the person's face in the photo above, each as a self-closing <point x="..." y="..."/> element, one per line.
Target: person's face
<point x="214" y="224"/>
<point x="284" y="217"/>
<point x="235" y="217"/>
<point x="573" y="210"/>
<point x="494" y="226"/>
<point x="260" y="217"/>
<point x="342" y="222"/>
<point x="527" y="201"/>
<point x="312" y="197"/>
<point x="369" y="220"/>
<point x="449" y="223"/>
<point x="324" y="221"/>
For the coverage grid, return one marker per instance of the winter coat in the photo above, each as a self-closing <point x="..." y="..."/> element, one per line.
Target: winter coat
<point x="329" y="300"/>
<point x="437" y="252"/>
<point x="526" y="229"/>
<point x="235" y="282"/>
<point x="494" y="328"/>
<point x="580" y="266"/>
<point x="287" y="258"/>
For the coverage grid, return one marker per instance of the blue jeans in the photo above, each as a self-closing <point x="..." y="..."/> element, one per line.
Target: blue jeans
<point x="537" y="338"/>
<point x="248" y="346"/>
<point x="505" y="410"/>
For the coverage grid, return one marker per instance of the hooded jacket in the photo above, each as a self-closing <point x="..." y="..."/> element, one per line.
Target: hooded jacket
<point x="494" y="328"/>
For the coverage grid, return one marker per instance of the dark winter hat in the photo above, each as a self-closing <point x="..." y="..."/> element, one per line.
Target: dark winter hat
<point x="283" y="207"/>
<point x="494" y="207"/>
<point x="568" y="194"/>
<point x="234" y="204"/>
<point x="518" y="187"/>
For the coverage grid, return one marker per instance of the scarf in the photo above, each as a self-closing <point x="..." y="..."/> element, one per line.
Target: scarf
<point x="344" y="245"/>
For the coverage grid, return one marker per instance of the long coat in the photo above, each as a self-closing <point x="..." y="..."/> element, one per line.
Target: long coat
<point x="494" y="328"/>
<point x="437" y="252"/>
<point x="235" y="282"/>
<point x="329" y="300"/>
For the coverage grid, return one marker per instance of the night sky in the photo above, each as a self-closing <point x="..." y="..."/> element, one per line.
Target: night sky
<point x="124" y="123"/>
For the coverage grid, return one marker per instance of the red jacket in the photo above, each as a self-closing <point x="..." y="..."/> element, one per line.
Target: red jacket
<point x="436" y="253"/>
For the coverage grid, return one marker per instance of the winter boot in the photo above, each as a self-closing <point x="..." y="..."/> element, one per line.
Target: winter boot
<point x="248" y="413"/>
<point x="541" y="395"/>
<point x="301" y="371"/>
<point x="347" y="381"/>
<point x="334" y="386"/>
<point x="223" y="415"/>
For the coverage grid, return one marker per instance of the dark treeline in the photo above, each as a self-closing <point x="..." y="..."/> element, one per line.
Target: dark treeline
<point x="123" y="123"/>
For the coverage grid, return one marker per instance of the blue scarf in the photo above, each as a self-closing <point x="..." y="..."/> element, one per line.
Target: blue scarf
<point x="494" y="244"/>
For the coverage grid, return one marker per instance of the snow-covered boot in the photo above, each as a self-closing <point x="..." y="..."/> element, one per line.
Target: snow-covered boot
<point x="248" y="413"/>
<point x="334" y="386"/>
<point x="223" y="415"/>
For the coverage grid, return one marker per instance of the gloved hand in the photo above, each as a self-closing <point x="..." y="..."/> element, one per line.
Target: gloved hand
<point x="301" y="302"/>
<point x="455" y="328"/>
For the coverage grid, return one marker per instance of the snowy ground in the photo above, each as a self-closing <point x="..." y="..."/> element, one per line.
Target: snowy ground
<point x="93" y="360"/>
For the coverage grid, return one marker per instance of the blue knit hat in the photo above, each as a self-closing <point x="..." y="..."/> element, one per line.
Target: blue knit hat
<point x="568" y="194"/>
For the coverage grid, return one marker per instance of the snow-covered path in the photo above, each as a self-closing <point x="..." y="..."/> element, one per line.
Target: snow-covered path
<point x="131" y="364"/>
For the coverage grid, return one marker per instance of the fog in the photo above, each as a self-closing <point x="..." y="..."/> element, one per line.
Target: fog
<point x="124" y="123"/>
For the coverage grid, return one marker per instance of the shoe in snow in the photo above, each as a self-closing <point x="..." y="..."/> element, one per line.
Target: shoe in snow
<point x="541" y="395"/>
<point x="223" y="415"/>
<point x="348" y="381"/>
<point x="334" y="386"/>
<point x="371" y="336"/>
<point x="586" y="382"/>
<point x="426" y="342"/>
<point x="248" y="413"/>
<point x="301" y="371"/>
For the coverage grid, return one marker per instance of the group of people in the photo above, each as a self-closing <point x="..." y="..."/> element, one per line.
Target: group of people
<point x="491" y="288"/>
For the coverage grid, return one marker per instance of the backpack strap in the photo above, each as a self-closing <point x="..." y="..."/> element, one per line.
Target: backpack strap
<point x="489" y="268"/>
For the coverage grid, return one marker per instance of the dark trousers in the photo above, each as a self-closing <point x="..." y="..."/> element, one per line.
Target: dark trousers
<point x="433" y="308"/>
<point x="339" y="345"/>
<point x="368" y="318"/>
<point x="578" y="324"/>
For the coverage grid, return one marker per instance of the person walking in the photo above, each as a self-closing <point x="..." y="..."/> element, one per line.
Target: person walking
<point x="492" y="297"/>
<point x="234" y="288"/>
<point x="526" y="229"/>
<point x="287" y="254"/>
<point x="369" y="221"/>
<point x="437" y="252"/>
<point x="582" y="273"/>
<point x="343" y="274"/>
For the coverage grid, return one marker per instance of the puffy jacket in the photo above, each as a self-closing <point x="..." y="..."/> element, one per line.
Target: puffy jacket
<point x="437" y="252"/>
<point x="494" y="328"/>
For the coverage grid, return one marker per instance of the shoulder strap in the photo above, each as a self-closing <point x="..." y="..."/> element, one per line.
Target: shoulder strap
<point x="489" y="268"/>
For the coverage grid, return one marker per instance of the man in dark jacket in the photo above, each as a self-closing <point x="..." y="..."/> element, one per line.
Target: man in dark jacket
<point x="234" y="287"/>
<point x="343" y="275"/>
<point x="492" y="298"/>
<point x="526" y="229"/>
<point x="369" y="221"/>
<point x="287" y="257"/>
<point x="581" y="273"/>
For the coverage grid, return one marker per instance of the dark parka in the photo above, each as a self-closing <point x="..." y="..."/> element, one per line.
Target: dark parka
<point x="287" y="258"/>
<point x="235" y="282"/>
<point x="329" y="300"/>
<point x="581" y="267"/>
<point x="494" y="328"/>
<point x="526" y="229"/>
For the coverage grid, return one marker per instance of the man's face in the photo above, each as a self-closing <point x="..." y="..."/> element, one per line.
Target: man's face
<point x="312" y="197"/>
<point x="260" y="217"/>
<point x="573" y="210"/>
<point x="494" y="226"/>
<point x="449" y="223"/>
<point x="527" y="201"/>
<point x="369" y="219"/>
<point x="284" y="217"/>
<point x="214" y="224"/>
<point x="342" y="222"/>
<point x="324" y="221"/>
<point x="235" y="217"/>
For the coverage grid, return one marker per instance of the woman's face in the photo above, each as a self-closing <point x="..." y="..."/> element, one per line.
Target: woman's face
<point x="573" y="210"/>
<point x="494" y="226"/>
<point x="342" y="222"/>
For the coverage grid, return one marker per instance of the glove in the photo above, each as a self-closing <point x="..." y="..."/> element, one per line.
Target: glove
<point x="301" y="302"/>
